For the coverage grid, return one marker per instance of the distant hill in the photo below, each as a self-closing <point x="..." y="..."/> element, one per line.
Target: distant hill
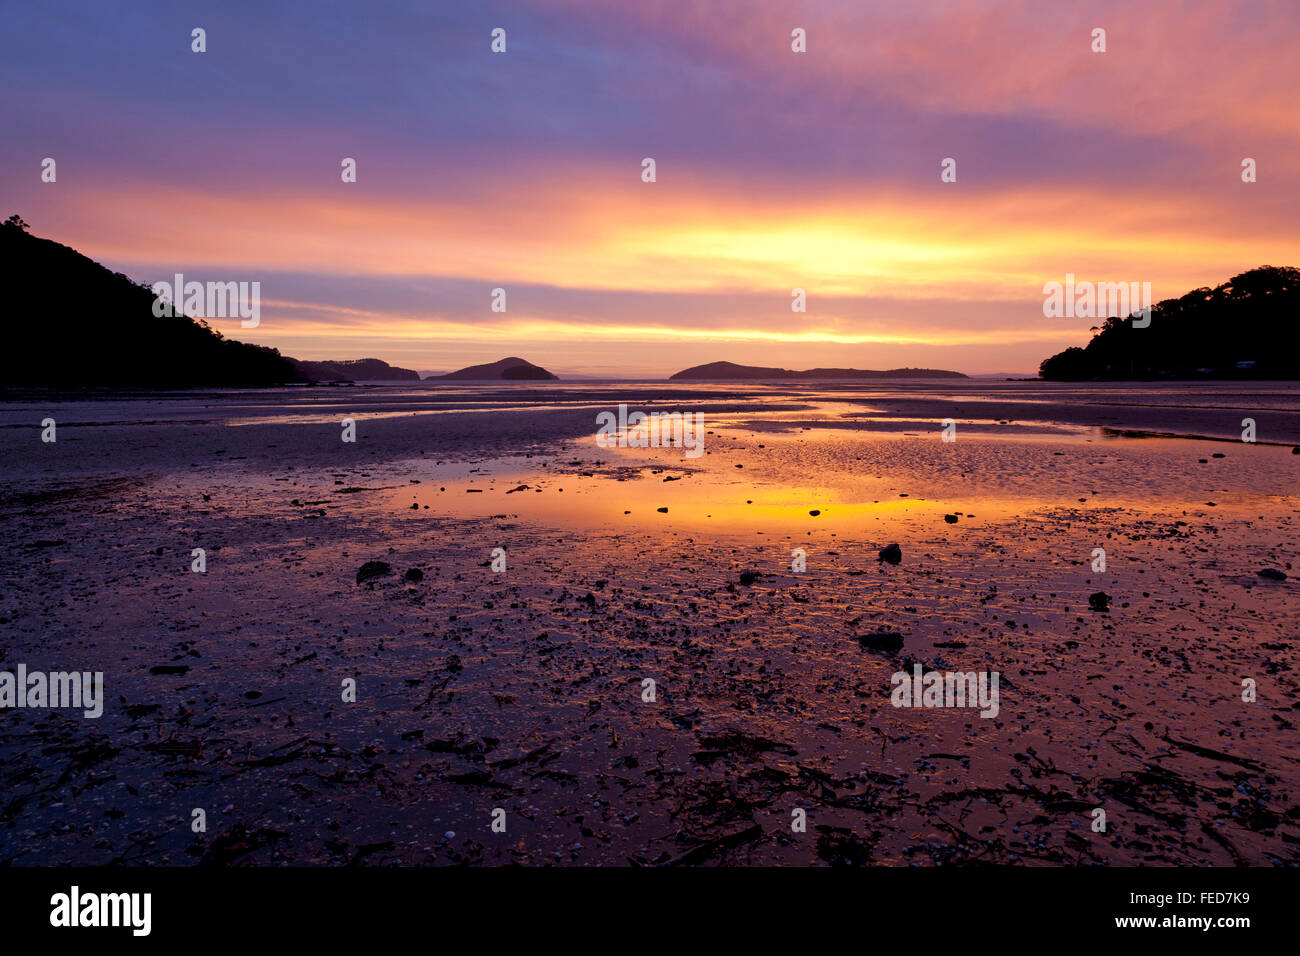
<point x="355" y="370"/>
<point x="1248" y="327"/>
<point x="729" y="371"/>
<point x="506" y="370"/>
<point x="72" y="322"/>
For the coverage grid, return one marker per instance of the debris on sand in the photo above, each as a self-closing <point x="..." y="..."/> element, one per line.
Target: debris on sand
<point x="882" y="641"/>
<point x="703" y="851"/>
<point x="239" y="843"/>
<point x="528" y="690"/>
<point x="373" y="569"/>
<point x="841" y="847"/>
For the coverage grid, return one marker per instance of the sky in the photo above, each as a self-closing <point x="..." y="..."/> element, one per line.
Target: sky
<point x="775" y="170"/>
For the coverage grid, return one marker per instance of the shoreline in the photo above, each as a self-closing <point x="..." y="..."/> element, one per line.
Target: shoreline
<point x="523" y="689"/>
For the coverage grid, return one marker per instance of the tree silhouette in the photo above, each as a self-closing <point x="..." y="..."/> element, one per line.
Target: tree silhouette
<point x="1244" y="328"/>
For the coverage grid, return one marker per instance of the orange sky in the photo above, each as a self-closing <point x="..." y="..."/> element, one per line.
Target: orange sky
<point x="775" y="170"/>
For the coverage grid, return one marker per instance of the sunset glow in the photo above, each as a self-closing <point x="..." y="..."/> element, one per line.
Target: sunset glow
<point x="774" y="172"/>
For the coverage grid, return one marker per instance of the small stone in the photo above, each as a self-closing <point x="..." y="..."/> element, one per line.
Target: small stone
<point x="373" y="569"/>
<point x="951" y="519"/>
<point x="1273" y="574"/>
<point x="893" y="554"/>
<point x="1099" y="601"/>
<point x="882" y="641"/>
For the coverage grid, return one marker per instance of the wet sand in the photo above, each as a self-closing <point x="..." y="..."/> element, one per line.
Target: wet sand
<point x="523" y="690"/>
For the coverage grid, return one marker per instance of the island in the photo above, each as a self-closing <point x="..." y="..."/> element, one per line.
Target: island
<point x="731" y="372"/>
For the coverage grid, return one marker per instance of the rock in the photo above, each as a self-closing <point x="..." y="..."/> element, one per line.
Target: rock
<point x="1273" y="574"/>
<point x="882" y="641"/>
<point x="414" y="574"/>
<point x="815" y="512"/>
<point x="1296" y="450"/>
<point x="1218" y="454"/>
<point x="1099" y="601"/>
<point x="893" y="554"/>
<point x="169" y="669"/>
<point x="951" y="519"/>
<point x="373" y="569"/>
<point x="662" y="511"/>
<point x="747" y="578"/>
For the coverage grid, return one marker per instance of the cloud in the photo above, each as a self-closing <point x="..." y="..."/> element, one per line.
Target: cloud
<point x="775" y="170"/>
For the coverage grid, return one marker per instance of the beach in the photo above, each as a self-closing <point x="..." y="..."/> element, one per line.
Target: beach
<point x="523" y="689"/>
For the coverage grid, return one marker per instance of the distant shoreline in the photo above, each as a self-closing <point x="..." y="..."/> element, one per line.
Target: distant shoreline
<point x="10" y="393"/>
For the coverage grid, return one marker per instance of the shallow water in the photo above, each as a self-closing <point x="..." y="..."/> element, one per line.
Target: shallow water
<point x="522" y="689"/>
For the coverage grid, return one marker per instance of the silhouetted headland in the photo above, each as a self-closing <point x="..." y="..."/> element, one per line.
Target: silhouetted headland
<point x="354" y="370"/>
<point x="1244" y="328"/>
<point x="75" y="323"/>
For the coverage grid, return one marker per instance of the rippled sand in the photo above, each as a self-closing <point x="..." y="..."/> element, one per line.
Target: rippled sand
<point x="523" y="690"/>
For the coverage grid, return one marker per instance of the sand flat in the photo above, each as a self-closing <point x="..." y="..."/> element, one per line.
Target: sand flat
<point x="523" y="690"/>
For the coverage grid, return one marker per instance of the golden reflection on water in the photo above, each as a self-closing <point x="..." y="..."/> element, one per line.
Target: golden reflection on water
<point x="625" y="492"/>
<point x="771" y="482"/>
